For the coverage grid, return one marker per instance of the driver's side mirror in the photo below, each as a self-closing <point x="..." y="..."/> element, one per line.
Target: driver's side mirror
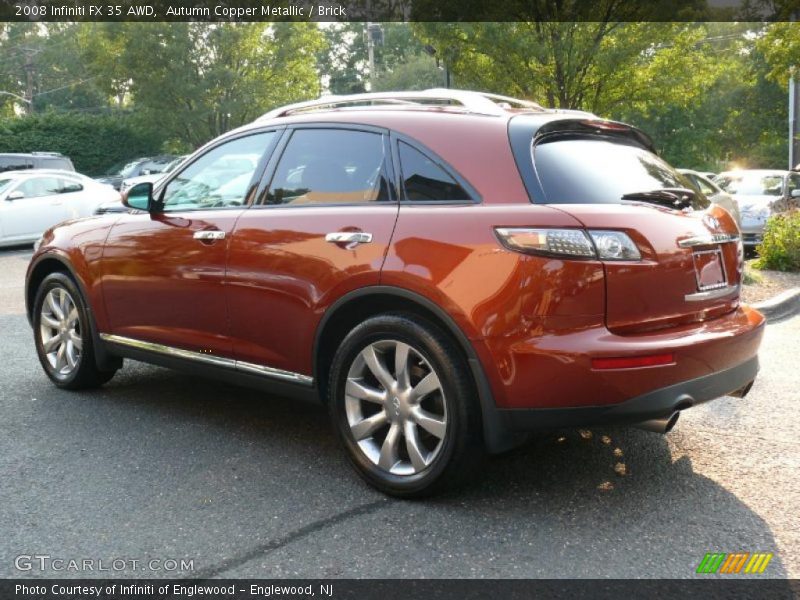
<point x="795" y="193"/>
<point x="15" y="195"/>
<point x="139" y="197"/>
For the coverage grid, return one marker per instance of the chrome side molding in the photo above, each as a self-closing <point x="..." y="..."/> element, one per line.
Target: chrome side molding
<point x="708" y="240"/>
<point x="217" y="361"/>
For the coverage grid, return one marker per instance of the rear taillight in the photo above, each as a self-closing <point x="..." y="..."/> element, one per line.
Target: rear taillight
<point x="574" y="243"/>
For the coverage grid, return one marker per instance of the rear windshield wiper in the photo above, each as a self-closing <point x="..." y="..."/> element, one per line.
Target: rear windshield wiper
<point x="677" y="198"/>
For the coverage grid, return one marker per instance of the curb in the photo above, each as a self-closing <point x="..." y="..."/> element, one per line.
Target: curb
<point x="782" y="306"/>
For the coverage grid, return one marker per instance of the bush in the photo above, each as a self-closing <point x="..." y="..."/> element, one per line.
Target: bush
<point x="93" y="142"/>
<point x="780" y="249"/>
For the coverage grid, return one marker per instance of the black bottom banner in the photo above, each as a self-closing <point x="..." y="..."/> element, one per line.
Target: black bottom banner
<point x="390" y="589"/>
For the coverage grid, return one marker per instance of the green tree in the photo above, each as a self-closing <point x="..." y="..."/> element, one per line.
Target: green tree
<point x="596" y="66"/>
<point x="45" y="60"/>
<point x="417" y="73"/>
<point x="198" y="80"/>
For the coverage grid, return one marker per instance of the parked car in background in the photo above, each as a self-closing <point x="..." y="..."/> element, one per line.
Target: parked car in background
<point x="32" y="201"/>
<point x="445" y="270"/>
<point x="152" y="177"/>
<point x="713" y="192"/>
<point x="116" y="206"/>
<point x="35" y="160"/>
<point x="759" y="193"/>
<point x="134" y="168"/>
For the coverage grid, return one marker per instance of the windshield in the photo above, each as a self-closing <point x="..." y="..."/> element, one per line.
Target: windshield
<point x="595" y="171"/>
<point x="5" y="184"/>
<point x="752" y="184"/>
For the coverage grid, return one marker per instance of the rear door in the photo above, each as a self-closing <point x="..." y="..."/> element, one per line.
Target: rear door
<point x="691" y="257"/>
<point x="321" y="228"/>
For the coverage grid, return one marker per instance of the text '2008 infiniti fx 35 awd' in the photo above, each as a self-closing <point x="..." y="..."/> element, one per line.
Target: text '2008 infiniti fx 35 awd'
<point x="445" y="270"/>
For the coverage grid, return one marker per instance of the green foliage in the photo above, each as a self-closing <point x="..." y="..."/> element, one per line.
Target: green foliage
<point x="595" y="66"/>
<point x="780" y="250"/>
<point x="419" y="73"/>
<point x="345" y="61"/>
<point x="780" y="44"/>
<point x="195" y="81"/>
<point x="93" y="142"/>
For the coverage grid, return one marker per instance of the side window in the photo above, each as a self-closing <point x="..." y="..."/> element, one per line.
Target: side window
<point x="40" y="186"/>
<point x="56" y="163"/>
<point x="9" y="163"/>
<point x="69" y="186"/>
<point x="792" y="184"/>
<point x="424" y="180"/>
<point x="330" y="166"/>
<point x="220" y="178"/>
<point x="704" y="187"/>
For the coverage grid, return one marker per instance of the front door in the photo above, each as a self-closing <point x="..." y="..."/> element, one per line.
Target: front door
<point x="164" y="271"/>
<point x="321" y="229"/>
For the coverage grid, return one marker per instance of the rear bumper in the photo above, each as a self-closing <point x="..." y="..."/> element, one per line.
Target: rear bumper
<point x="652" y="405"/>
<point x="552" y="368"/>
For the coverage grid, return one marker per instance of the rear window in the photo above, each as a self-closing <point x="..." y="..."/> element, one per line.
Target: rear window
<point x="596" y="171"/>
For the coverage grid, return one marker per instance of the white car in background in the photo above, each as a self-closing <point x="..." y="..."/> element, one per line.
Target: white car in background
<point x="714" y="193"/>
<point x="34" y="200"/>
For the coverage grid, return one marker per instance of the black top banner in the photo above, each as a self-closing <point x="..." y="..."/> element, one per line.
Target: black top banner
<point x="399" y="10"/>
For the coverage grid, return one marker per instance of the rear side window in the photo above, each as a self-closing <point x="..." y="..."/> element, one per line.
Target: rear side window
<point x="596" y="171"/>
<point x="56" y="163"/>
<point x="425" y="181"/>
<point x="40" y="186"/>
<point x="14" y="163"/>
<point x="330" y="166"/>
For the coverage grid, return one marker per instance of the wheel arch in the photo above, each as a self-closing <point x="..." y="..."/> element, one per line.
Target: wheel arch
<point x="354" y="307"/>
<point x="51" y="262"/>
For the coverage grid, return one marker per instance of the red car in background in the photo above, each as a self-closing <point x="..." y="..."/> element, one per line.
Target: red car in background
<point x="446" y="270"/>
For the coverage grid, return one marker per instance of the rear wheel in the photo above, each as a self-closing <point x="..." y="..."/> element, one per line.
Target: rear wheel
<point x="402" y="402"/>
<point x="63" y="337"/>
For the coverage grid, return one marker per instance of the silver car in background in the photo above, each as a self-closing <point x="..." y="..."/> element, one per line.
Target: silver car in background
<point x="760" y="193"/>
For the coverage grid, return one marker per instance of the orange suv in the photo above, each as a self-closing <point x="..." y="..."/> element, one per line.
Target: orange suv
<point x="446" y="270"/>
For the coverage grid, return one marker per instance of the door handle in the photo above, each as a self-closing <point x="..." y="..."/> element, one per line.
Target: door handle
<point x="349" y="237"/>
<point x="209" y="235"/>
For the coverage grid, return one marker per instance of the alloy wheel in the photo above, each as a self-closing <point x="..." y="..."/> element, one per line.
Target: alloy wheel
<point x="395" y="407"/>
<point x="60" y="332"/>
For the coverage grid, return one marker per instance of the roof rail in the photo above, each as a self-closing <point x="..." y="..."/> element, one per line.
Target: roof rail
<point x="477" y="102"/>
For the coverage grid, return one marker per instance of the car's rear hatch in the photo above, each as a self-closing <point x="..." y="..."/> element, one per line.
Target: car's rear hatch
<point x="608" y="177"/>
<point x="684" y="276"/>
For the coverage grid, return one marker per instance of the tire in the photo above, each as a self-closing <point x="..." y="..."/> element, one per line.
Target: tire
<point x="63" y="337"/>
<point x="409" y="432"/>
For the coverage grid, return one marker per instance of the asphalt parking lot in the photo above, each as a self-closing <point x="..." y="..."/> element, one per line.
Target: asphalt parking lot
<point x="160" y="465"/>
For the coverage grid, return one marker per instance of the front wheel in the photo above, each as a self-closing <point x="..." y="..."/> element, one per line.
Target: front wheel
<point x="63" y="337"/>
<point x="403" y="404"/>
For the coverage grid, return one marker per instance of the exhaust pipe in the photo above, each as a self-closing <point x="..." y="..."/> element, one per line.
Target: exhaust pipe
<point x="664" y="425"/>
<point x="742" y="392"/>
